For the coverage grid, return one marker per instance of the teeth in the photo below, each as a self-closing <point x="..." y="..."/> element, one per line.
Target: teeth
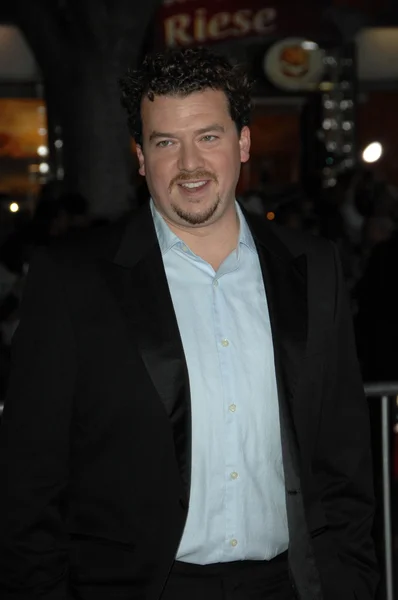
<point x="193" y="185"/>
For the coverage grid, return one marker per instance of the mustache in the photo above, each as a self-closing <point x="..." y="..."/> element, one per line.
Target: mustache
<point x="185" y="177"/>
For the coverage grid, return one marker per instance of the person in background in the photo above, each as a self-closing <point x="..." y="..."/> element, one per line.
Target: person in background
<point x="185" y="415"/>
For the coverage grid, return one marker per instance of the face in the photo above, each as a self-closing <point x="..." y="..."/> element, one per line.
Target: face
<point x="191" y="157"/>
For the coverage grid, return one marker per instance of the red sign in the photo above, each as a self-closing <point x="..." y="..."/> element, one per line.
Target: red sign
<point x="196" y="22"/>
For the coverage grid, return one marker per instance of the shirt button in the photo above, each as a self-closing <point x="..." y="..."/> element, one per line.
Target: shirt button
<point x="234" y="543"/>
<point x="215" y="283"/>
<point x="232" y="407"/>
<point x="225" y="343"/>
<point x="185" y="248"/>
<point x="234" y="475"/>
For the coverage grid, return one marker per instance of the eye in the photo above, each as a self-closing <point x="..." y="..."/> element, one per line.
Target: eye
<point x="164" y="143"/>
<point x="209" y="138"/>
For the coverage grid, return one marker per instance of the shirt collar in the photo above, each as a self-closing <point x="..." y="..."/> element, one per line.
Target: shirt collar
<point x="167" y="239"/>
<point x="245" y="235"/>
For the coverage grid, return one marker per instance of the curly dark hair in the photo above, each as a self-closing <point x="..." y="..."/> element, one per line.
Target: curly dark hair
<point x="180" y="73"/>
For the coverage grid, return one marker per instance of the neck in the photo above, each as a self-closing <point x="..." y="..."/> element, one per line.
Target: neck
<point x="214" y="242"/>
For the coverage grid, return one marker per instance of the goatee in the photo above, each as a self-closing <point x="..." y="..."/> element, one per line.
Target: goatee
<point x="197" y="218"/>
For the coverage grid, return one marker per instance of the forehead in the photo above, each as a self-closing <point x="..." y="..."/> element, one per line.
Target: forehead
<point x="184" y="110"/>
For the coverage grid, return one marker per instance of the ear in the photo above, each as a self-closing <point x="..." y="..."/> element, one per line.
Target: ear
<point x="244" y="143"/>
<point x="141" y="160"/>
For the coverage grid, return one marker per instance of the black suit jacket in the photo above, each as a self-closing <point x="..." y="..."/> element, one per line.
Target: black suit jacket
<point x="95" y="441"/>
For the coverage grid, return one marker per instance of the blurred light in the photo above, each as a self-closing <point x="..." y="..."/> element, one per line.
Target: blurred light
<point x="373" y="152"/>
<point x="58" y="144"/>
<point x="42" y="151"/>
<point x="44" y="167"/>
<point x="345" y="104"/>
<point x="329" y="104"/>
<point x="326" y="86"/>
<point x="331" y="146"/>
<point x="14" y="207"/>
<point x="42" y="131"/>
<point x="347" y="148"/>
<point x="327" y="124"/>
<point x="345" y="85"/>
<point x="41" y="109"/>
<point x="307" y="45"/>
<point x="331" y="182"/>
<point x="270" y="216"/>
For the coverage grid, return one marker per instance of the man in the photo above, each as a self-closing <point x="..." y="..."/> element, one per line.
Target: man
<point x="185" y="416"/>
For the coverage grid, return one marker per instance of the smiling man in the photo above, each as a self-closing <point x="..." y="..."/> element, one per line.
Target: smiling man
<point x="185" y="417"/>
<point x="190" y="154"/>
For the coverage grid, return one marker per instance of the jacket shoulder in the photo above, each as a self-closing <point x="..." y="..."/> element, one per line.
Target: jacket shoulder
<point x="88" y="246"/>
<point x="297" y="242"/>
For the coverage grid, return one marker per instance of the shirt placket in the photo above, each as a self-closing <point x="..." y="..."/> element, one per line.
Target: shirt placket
<point x="232" y="477"/>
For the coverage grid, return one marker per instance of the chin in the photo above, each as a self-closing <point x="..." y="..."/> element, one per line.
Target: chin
<point x="201" y="216"/>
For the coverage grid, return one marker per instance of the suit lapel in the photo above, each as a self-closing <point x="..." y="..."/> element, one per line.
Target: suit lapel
<point x="285" y="281"/>
<point x="138" y="281"/>
<point x="287" y="296"/>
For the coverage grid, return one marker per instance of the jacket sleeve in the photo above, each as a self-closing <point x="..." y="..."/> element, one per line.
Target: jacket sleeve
<point x="343" y="461"/>
<point x="34" y="442"/>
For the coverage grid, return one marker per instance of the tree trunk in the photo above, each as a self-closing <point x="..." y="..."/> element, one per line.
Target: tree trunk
<point x="98" y="159"/>
<point x="82" y="48"/>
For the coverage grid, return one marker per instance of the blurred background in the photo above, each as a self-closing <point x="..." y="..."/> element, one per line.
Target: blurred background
<point x="324" y="154"/>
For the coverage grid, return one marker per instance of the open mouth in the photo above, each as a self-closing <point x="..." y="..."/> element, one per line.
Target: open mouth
<point x="194" y="186"/>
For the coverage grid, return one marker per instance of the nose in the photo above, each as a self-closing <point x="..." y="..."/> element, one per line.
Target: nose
<point x="190" y="158"/>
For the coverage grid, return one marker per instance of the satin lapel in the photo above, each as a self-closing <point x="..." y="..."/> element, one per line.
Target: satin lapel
<point x="285" y="281"/>
<point x="138" y="281"/>
<point x="286" y="287"/>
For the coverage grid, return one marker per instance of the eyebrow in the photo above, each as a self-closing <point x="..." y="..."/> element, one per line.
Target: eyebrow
<point x="214" y="127"/>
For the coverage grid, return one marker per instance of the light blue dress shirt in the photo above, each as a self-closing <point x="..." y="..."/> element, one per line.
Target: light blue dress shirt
<point x="237" y="505"/>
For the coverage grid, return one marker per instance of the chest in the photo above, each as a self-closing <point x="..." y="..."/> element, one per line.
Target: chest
<point x="226" y="335"/>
